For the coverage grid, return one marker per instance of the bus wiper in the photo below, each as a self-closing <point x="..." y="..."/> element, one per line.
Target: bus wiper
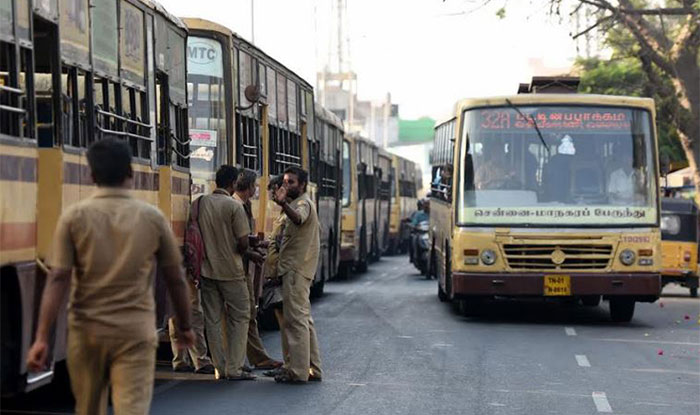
<point x="534" y="123"/>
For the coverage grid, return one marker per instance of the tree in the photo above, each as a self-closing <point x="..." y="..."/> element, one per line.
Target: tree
<point x="624" y="75"/>
<point x="667" y="43"/>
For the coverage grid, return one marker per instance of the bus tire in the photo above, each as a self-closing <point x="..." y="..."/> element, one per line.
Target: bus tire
<point x="694" y="292"/>
<point x="317" y="289"/>
<point x="448" y="273"/>
<point x="442" y="296"/>
<point x="621" y="309"/>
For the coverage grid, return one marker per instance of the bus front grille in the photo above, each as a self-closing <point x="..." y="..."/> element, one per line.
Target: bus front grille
<point x="557" y="257"/>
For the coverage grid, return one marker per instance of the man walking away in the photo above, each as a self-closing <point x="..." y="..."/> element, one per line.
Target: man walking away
<point x="225" y="230"/>
<point x="110" y="244"/>
<point x="298" y="259"/>
<point x="257" y="355"/>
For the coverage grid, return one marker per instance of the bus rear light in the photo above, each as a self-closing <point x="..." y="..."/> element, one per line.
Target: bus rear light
<point x="645" y="252"/>
<point x="646" y="261"/>
<point x="686" y="256"/>
<point x="471" y="252"/>
<point x="471" y="261"/>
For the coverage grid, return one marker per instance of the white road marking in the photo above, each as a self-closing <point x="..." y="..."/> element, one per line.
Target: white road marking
<point x="351" y="292"/>
<point x="357" y="384"/>
<point x="442" y="345"/>
<point x="395" y="268"/>
<point x="570" y="331"/>
<point x="367" y="283"/>
<point x="496" y="404"/>
<point x="601" y="402"/>
<point x="582" y="360"/>
<point x="650" y="342"/>
<point x="405" y="337"/>
<point x="384" y="274"/>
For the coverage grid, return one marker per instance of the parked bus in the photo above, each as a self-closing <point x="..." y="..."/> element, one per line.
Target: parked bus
<point x="553" y="195"/>
<point x="249" y="110"/>
<point x="67" y="79"/>
<point x="358" y="231"/>
<point x="384" y="177"/>
<point x="403" y="191"/>
<point x="326" y="170"/>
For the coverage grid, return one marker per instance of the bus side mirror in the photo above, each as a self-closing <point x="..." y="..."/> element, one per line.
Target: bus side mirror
<point x="252" y="93"/>
<point x="664" y="164"/>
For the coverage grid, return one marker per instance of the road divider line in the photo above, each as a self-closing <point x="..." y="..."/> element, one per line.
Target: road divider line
<point x="570" y="331"/>
<point x="582" y="360"/>
<point x="649" y="342"/>
<point x="601" y="402"/>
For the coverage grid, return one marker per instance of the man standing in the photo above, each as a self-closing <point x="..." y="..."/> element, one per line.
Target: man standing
<point x="257" y="355"/>
<point x="224" y="227"/>
<point x="110" y="244"/>
<point x="298" y="258"/>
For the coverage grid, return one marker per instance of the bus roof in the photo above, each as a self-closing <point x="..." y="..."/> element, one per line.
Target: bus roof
<point x="544" y="99"/>
<point x="328" y="116"/>
<point x="197" y="23"/>
<point x="160" y="9"/>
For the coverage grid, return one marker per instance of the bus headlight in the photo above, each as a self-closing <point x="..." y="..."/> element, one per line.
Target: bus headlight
<point x="627" y="257"/>
<point x="488" y="257"/>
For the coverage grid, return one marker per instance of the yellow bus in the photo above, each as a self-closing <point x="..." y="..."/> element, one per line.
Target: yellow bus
<point x="553" y="195"/>
<point x="403" y="201"/>
<point x="249" y="110"/>
<point x="358" y="226"/>
<point x="76" y="82"/>
<point x="384" y="178"/>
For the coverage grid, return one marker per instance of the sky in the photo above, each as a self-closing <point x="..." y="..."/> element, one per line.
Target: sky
<point x="427" y="53"/>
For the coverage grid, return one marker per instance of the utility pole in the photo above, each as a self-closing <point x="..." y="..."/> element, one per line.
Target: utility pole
<point x="252" y="21"/>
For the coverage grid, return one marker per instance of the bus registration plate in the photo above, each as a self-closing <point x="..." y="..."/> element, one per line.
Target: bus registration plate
<point x="557" y="285"/>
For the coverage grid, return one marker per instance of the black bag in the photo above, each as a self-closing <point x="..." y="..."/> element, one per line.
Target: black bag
<point x="271" y="295"/>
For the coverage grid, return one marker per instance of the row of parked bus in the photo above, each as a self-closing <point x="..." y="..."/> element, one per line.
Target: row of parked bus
<point x="188" y="95"/>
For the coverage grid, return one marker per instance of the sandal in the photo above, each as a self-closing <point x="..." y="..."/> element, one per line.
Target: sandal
<point x="242" y="376"/>
<point x="268" y="365"/>
<point x="287" y="377"/>
<point x="274" y="372"/>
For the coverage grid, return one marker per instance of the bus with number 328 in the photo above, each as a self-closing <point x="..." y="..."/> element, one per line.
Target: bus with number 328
<point x="547" y="195"/>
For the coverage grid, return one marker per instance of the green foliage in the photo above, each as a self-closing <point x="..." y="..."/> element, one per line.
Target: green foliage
<point x="501" y="13"/>
<point x="625" y="76"/>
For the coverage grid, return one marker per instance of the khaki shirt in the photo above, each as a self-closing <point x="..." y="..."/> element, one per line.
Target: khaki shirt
<point x="300" y="243"/>
<point x="273" y="249"/>
<point x="248" y="212"/>
<point x="112" y="242"/>
<point x="222" y="221"/>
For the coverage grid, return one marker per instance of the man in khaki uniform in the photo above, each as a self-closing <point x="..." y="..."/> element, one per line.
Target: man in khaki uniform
<point x="298" y="258"/>
<point x="110" y="244"/>
<point x="225" y="230"/>
<point x="257" y="355"/>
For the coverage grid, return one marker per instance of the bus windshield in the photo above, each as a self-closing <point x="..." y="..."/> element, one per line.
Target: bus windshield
<point x="587" y="165"/>
<point x="205" y="83"/>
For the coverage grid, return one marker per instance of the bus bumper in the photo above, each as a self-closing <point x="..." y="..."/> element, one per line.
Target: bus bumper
<point x="347" y="253"/>
<point x="646" y="285"/>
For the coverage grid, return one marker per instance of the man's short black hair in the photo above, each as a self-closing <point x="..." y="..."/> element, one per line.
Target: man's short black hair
<point x="110" y="162"/>
<point x="246" y="180"/>
<point x="226" y="176"/>
<point x="275" y="182"/>
<point x="301" y="174"/>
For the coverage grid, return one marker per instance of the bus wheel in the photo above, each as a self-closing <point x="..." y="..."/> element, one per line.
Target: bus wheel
<point x="442" y="296"/>
<point x="621" y="309"/>
<point x="591" y="300"/>
<point x="694" y="292"/>
<point x="317" y="289"/>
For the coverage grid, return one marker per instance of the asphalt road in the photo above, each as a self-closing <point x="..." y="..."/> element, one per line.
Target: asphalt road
<point x="390" y="347"/>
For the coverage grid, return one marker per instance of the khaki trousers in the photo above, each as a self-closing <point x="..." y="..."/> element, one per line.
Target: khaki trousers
<point x="226" y="316"/>
<point x="126" y="364"/>
<point x="196" y="355"/>
<point x="279" y="315"/>
<point x="299" y="327"/>
<point x="255" y="349"/>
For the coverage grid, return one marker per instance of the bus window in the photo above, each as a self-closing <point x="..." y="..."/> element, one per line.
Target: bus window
<point x="207" y="110"/>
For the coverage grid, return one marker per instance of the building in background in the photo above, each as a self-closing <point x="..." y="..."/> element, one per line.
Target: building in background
<point x="415" y="141"/>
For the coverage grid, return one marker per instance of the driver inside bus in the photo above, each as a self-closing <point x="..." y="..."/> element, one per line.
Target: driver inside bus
<point x="493" y="168"/>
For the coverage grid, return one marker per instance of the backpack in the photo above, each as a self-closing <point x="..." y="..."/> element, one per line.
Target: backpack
<point x="195" y="252"/>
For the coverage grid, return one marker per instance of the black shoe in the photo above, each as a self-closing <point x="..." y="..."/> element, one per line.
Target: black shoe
<point x="274" y="372"/>
<point x="206" y="370"/>
<point x="247" y="369"/>
<point x="183" y="369"/>
<point x="242" y="376"/>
